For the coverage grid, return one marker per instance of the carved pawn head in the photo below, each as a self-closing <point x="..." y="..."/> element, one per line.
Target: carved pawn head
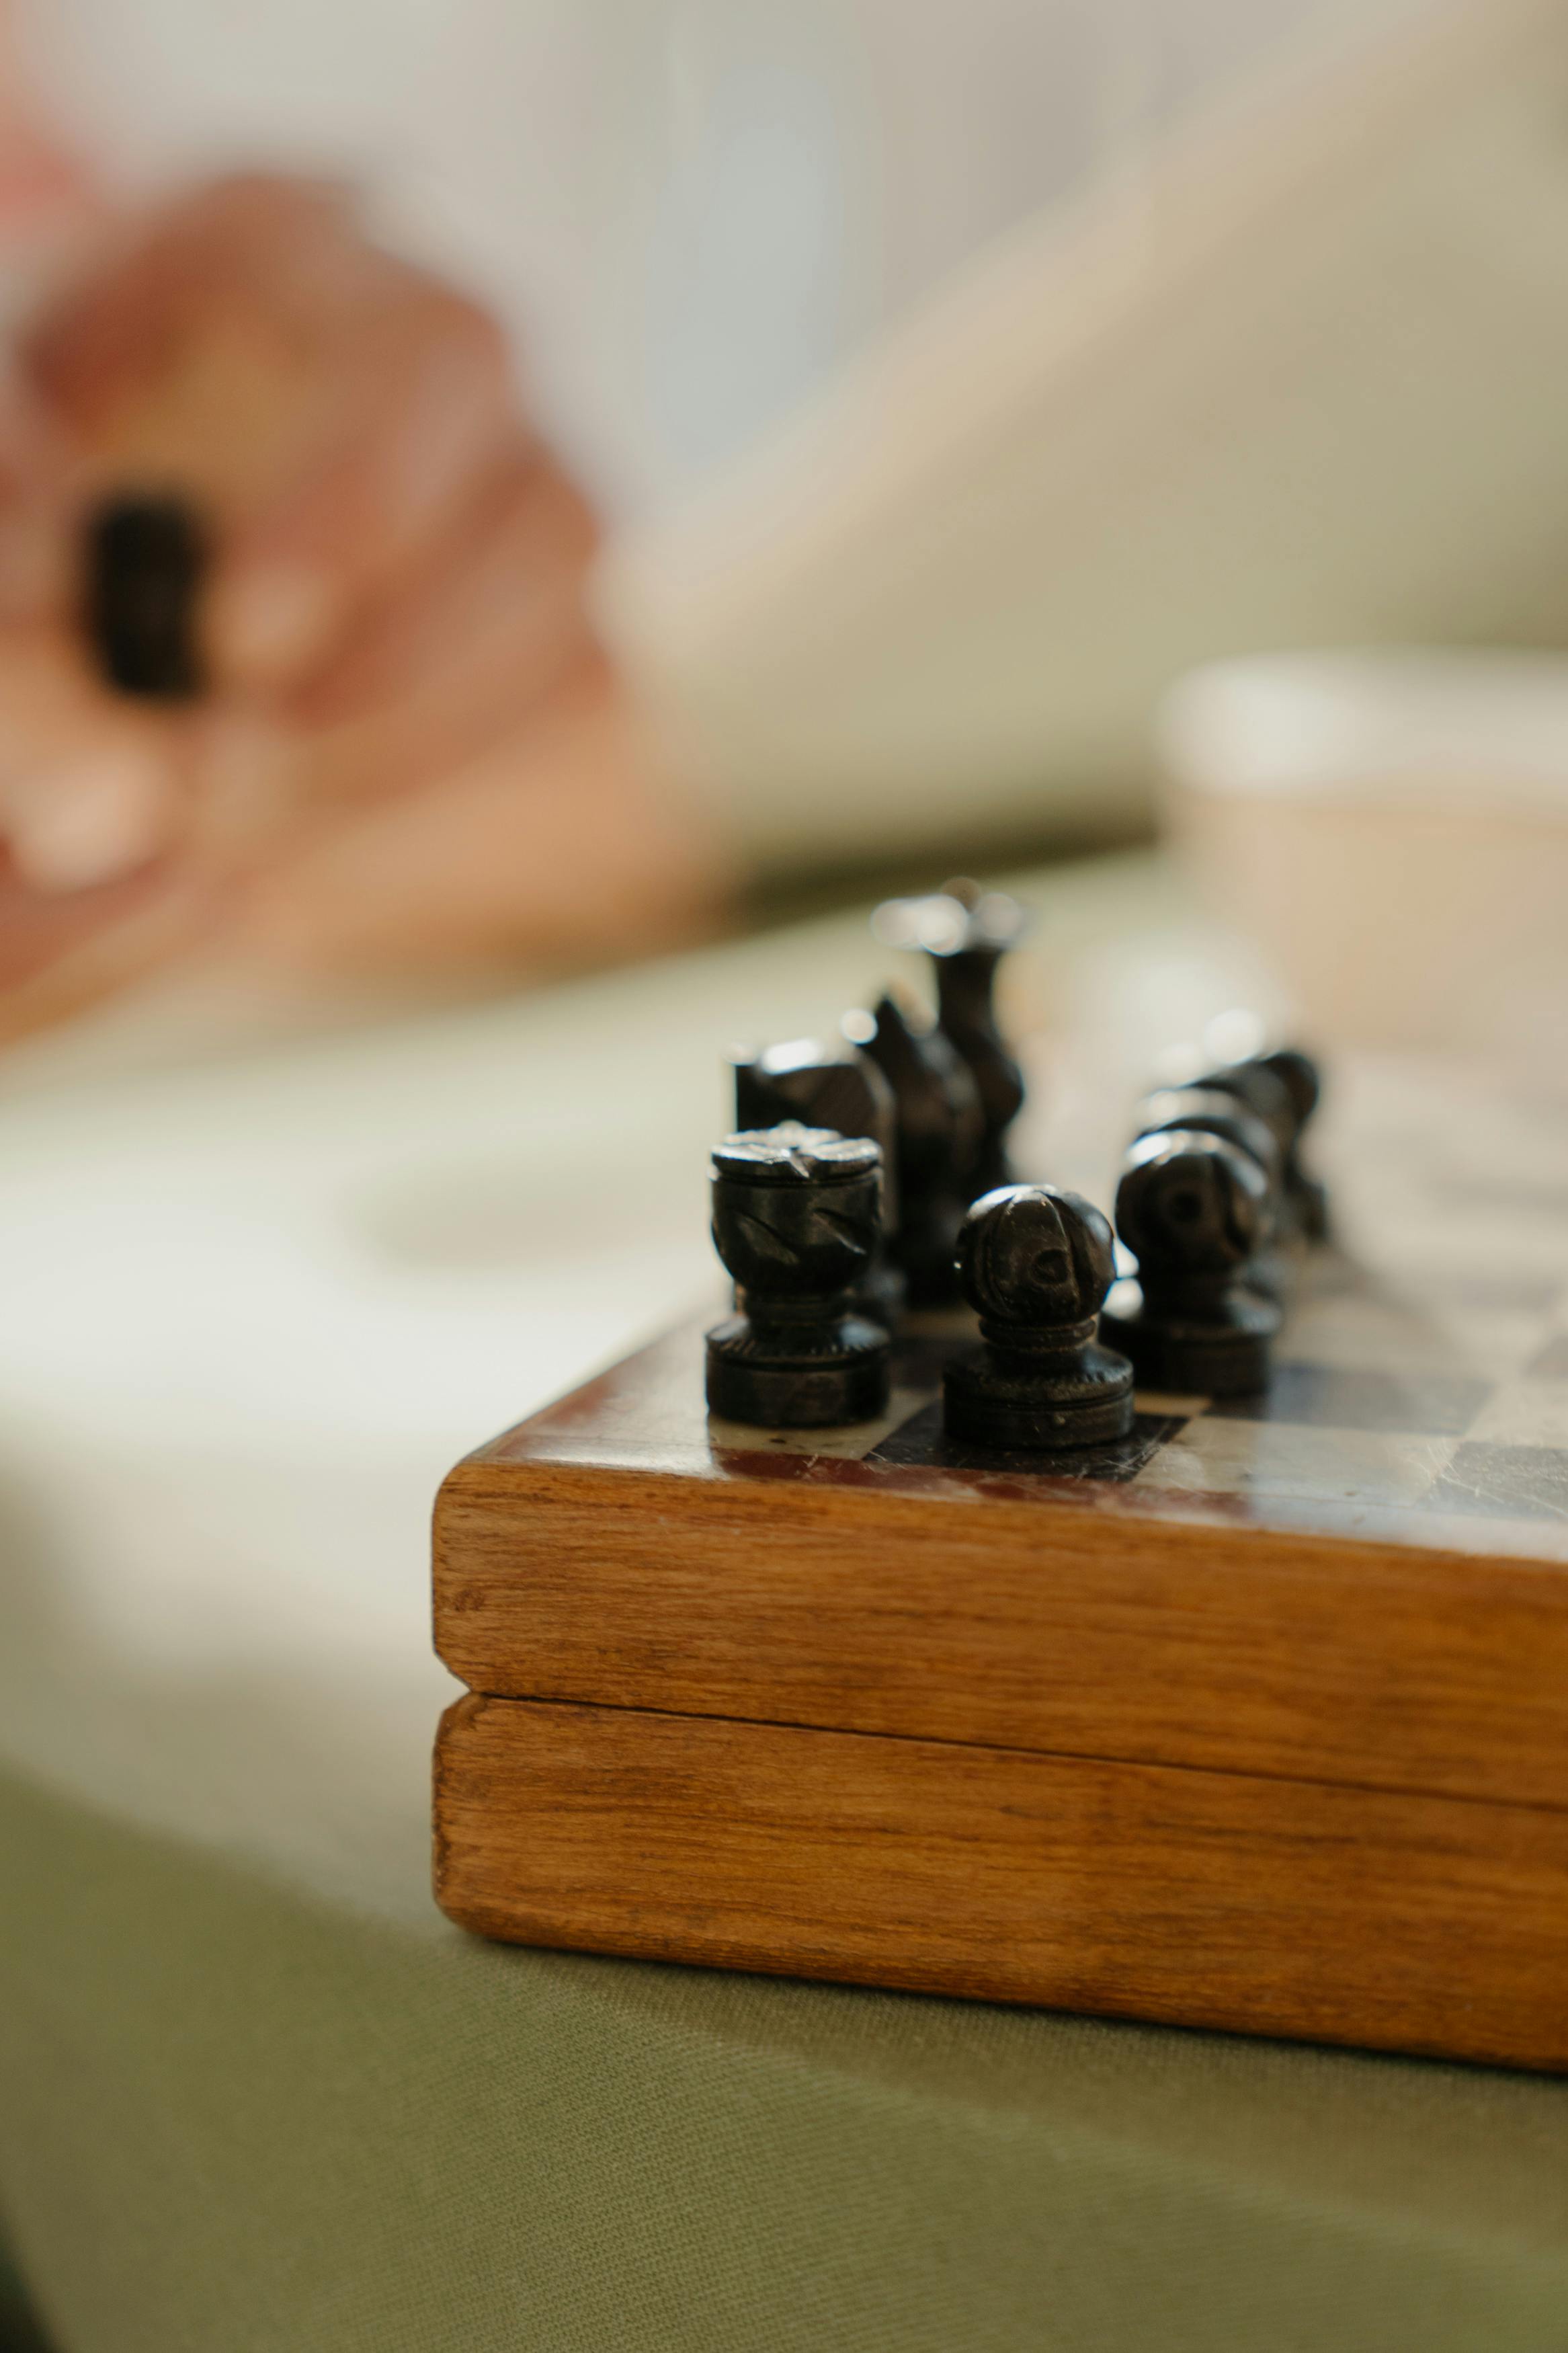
<point x="1263" y="1091"/>
<point x="797" y="1212"/>
<point x="1298" y="1074"/>
<point x="1206" y="1110"/>
<point x="1033" y="1259"/>
<point x="1190" y="1204"/>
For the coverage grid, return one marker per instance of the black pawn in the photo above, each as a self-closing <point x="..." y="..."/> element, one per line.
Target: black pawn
<point x="966" y="932"/>
<point x="145" y="560"/>
<point x="1207" y="1110"/>
<point x="1298" y="1075"/>
<point x="937" y="1128"/>
<point x="1036" y="1263"/>
<point x="1192" y="1208"/>
<point x="1264" y="1093"/>
<point x="796" y="1218"/>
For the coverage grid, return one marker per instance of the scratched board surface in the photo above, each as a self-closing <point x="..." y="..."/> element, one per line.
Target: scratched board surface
<point x="1420" y="1392"/>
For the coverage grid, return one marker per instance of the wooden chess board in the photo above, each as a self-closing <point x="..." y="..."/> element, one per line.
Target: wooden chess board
<point x="1259" y="1720"/>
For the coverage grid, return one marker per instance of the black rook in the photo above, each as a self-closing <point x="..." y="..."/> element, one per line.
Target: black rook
<point x="796" y="1219"/>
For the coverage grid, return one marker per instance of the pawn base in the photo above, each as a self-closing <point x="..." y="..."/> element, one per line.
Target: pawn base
<point x="827" y="1380"/>
<point x="991" y="1396"/>
<point x="1228" y="1354"/>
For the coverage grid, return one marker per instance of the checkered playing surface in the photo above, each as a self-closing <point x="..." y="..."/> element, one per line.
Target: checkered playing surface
<point x="1420" y="1392"/>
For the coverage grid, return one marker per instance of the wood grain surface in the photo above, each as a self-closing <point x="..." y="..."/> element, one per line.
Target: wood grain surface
<point x="1081" y="1632"/>
<point x="1412" y="1923"/>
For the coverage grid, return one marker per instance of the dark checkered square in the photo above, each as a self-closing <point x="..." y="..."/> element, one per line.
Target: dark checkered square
<point x="1431" y="1405"/>
<point x="919" y="1441"/>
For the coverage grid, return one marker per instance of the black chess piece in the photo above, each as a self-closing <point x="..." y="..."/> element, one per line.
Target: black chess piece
<point x="937" y="1129"/>
<point x="840" y="1088"/>
<point x="146" y="556"/>
<point x="836" y="1086"/>
<point x="1263" y="1092"/>
<point x="1300" y="1076"/>
<point x="1226" y="1114"/>
<point x="1209" y="1111"/>
<point x="1282" y="1088"/>
<point x="796" y="1219"/>
<point x="1035" y="1263"/>
<point x="966" y="932"/>
<point x="1191" y="1207"/>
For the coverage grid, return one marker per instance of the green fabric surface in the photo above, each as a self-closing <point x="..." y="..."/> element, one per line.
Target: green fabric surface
<point x="237" y="2117"/>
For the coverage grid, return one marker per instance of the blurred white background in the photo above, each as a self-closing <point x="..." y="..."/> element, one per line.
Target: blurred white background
<point x="690" y="211"/>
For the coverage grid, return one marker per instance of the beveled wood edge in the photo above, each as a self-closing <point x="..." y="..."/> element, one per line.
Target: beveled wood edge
<point x="645" y="1943"/>
<point x="1230" y="1543"/>
<point x="1457" y="1587"/>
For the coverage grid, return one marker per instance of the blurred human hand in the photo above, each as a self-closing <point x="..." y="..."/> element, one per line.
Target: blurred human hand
<point x="413" y="753"/>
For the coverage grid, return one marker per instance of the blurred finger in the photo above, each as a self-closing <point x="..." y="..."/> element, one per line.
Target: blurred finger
<point x="91" y="787"/>
<point x="434" y="674"/>
<point x="35" y="459"/>
<point x="40" y="932"/>
<point x="557" y="848"/>
<point x="182" y="358"/>
<point x="416" y="415"/>
<point x="59" y="956"/>
<point x="119" y="323"/>
<point x="331" y="405"/>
